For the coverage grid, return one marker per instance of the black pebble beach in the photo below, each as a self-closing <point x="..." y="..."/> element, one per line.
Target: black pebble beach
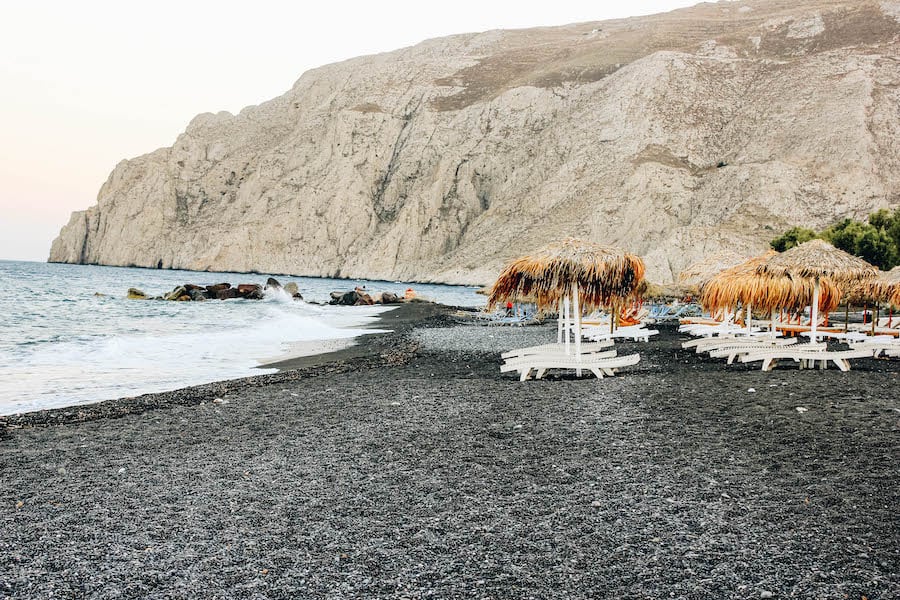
<point x="409" y="467"/>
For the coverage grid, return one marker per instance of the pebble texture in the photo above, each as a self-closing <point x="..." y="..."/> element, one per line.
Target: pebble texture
<point x="438" y="477"/>
<point x="674" y="135"/>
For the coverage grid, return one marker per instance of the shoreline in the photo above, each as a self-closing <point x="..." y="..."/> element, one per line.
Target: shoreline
<point x="367" y="351"/>
<point x="398" y="321"/>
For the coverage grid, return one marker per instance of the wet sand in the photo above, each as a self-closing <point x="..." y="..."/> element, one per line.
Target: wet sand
<point x="416" y="469"/>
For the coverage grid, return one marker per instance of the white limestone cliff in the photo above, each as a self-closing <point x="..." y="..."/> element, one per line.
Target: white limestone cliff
<point x="673" y="135"/>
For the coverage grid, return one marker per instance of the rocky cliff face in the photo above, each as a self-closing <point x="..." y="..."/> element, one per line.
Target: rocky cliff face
<point x="673" y="135"/>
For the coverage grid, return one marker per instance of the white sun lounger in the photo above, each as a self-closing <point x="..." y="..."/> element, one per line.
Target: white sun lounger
<point x="806" y="358"/>
<point x="528" y="358"/>
<point x="596" y="363"/>
<point x="732" y="351"/>
<point x="723" y="329"/>
<point x="636" y="333"/>
<point x="706" y="344"/>
<point x="557" y="348"/>
<point x="887" y="345"/>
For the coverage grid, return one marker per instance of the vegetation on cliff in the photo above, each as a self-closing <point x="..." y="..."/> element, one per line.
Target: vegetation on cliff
<point x="877" y="241"/>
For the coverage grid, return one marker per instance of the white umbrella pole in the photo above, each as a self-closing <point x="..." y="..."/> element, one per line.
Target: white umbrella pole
<point x="749" y="319"/>
<point x="559" y="325"/>
<point x="576" y="308"/>
<point x="772" y="322"/>
<point x="814" y="312"/>
<point x="568" y="326"/>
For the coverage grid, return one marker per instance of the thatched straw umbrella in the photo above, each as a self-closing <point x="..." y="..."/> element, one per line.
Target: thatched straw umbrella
<point x="743" y="285"/>
<point x="817" y="260"/>
<point x="666" y="291"/>
<point x="884" y="288"/>
<point x="729" y="289"/>
<point x="592" y="275"/>
<point x="699" y="272"/>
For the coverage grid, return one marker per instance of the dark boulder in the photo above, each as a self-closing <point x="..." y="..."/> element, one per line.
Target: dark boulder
<point x="176" y="294"/>
<point x="136" y="294"/>
<point x="250" y="291"/>
<point x="214" y="289"/>
<point x="198" y="294"/>
<point x="226" y="293"/>
<point x="272" y="283"/>
<point x="390" y="298"/>
<point x="346" y="299"/>
<point x="363" y="299"/>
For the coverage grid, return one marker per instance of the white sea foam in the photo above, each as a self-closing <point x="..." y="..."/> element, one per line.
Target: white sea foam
<point x="68" y="336"/>
<point x="81" y="371"/>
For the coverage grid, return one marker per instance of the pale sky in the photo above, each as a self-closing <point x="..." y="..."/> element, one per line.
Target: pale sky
<point x="85" y="84"/>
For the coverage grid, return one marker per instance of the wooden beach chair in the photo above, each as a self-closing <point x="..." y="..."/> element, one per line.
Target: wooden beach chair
<point x="879" y="345"/>
<point x="732" y="351"/>
<point x="701" y="345"/>
<point x="806" y="358"/>
<point x="638" y="333"/>
<point x="598" y="363"/>
<point x="556" y="348"/>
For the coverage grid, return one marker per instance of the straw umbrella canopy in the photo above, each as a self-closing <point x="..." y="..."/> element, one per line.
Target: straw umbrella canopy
<point x="665" y="291"/>
<point x="817" y="260"/>
<point x="592" y="275"/>
<point x="729" y="287"/>
<point x="767" y="293"/>
<point x="600" y="274"/>
<point x="701" y="271"/>
<point x="743" y="285"/>
<point x="885" y="287"/>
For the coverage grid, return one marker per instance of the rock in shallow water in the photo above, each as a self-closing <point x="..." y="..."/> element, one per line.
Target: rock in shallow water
<point x="176" y="293"/>
<point x="251" y="291"/>
<point x="226" y="293"/>
<point x="292" y="289"/>
<point x="216" y="288"/>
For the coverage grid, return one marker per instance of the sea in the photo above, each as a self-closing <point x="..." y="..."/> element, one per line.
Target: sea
<point x="69" y="335"/>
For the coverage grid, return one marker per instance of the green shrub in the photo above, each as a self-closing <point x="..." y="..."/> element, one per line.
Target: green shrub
<point x="877" y="241"/>
<point x="792" y="237"/>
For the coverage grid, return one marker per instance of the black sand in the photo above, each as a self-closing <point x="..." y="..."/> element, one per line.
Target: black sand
<point x="417" y="470"/>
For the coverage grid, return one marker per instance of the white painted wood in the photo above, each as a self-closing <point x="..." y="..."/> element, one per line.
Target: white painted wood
<point x="559" y="328"/>
<point x="814" y="311"/>
<point x="576" y="309"/>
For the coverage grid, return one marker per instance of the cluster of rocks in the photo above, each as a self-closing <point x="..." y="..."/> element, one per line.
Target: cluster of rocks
<point x="219" y="291"/>
<point x="359" y="297"/>
<point x="190" y="292"/>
